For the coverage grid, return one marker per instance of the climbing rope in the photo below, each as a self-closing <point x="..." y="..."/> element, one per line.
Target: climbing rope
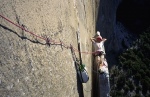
<point x="47" y="40"/>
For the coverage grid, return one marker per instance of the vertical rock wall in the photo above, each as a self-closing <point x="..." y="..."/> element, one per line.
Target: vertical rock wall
<point x="28" y="67"/>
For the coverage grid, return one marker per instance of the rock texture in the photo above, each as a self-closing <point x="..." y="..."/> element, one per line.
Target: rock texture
<point x="28" y="67"/>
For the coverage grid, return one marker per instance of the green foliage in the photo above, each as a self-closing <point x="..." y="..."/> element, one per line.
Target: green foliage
<point x="138" y="89"/>
<point x="117" y="94"/>
<point x="126" y="89"/>
<point x="145" y="85"/>
<point x="130" y="85"/>
<point x="138" y="76"/>
<point x="135" y="64"/>
<point x="137" y="95"/>
<point x="120" y="82"/>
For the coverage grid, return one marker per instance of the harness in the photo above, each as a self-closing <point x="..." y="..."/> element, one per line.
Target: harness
<point x="99" y="53"/>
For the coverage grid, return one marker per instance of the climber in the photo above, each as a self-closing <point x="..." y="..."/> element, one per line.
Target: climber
<point x="98" y="44"/>
<point x="99" y="50"/>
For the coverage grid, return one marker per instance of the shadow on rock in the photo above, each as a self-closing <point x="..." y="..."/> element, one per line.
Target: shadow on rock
<point x="79" y="83"/>
<point x="22" y="37"/>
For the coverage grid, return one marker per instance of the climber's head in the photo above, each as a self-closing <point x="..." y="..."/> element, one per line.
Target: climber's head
<point x="99" y="38"/>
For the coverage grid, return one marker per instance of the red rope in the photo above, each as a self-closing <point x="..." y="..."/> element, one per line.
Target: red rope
<point x="46" y="39"/>
<point x="22" y="27"/>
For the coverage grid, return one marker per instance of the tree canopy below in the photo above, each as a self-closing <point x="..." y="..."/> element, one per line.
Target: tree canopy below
<point x="132" y="76"/>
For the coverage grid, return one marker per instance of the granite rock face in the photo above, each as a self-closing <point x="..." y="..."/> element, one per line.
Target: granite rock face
<point x="28" y="67"/>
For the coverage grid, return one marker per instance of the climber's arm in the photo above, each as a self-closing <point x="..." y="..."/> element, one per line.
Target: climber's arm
<point x="104" y="39"/>
<point x="92" y="39"/>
